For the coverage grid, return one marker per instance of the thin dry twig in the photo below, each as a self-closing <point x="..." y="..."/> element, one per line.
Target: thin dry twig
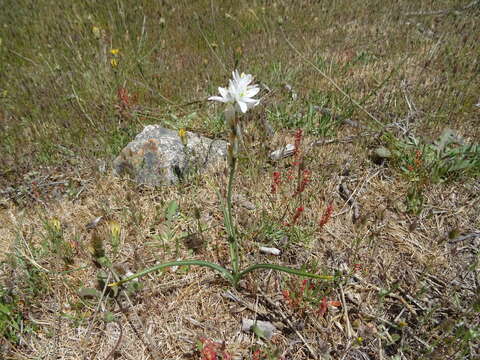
<point x="97" y="309"/>
<point x="114" y="349"/>
<point x="345" y="314"/>
<point x="390" y="294"/>
<point x="345" y="140"/>
<point x="347" y="195"/>
<point x="465" y="237"/>
<point x="252" y="307"/>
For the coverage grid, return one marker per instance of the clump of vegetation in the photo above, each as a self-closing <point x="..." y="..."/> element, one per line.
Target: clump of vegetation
<point x="238" y="99"/>
<point x="445" y="159"/>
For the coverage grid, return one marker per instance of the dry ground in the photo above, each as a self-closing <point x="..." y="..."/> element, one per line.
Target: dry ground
<point x="403" y="246"/>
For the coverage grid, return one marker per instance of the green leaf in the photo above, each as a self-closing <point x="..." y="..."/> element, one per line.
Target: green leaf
<point x="89" y="293"/>
<point x="259" y="332"/>
<point x="134" y="287"/>
<point x="171" y="210"/>
<point x="395" y="338"/>
<point x="448" y="136"/>
<point x="5" y="309"/>
<point x="227" y="274"/>
<point x="284" y="269"/>
<point x="104" y="261"/>
<point x="109" y="317"/>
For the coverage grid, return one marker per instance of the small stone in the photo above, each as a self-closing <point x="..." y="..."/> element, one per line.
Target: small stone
<point x="158" y="157"/>
<point x="128" y="274"/>
<point x="380" y="155"/>
<point x="242" y="201"/>
<point x="270" y="251"/>
<point x="175" y="268"/>
<point x="93" y="224"/>
<point x="89" y="293"/>
<point x="263" y="329"/>
<point x="284" y="152"/>
<point x="382" y="152"/>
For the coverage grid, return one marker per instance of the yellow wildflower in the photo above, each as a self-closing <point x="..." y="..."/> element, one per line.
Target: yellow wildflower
<point x="56" y="225"/>
<point x="96" y="31"/>
<point x="114" y="62"/>
<point x="402" y="323"/>
<point x="114" y="52"/>
<point x="115" y="229"/>
<point x="182" y="133"/>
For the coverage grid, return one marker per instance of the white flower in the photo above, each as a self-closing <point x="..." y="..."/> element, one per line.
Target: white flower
<point x="239" y="92"/>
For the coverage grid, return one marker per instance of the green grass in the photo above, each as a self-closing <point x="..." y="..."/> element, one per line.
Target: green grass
<point x="65" y="110"/>
<point x="58" y="86"/>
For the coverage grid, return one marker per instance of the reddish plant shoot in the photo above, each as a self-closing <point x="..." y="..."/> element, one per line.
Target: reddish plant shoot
<point x="262" y="355"/>
<point x="323" y="307"/>
<point x="298" y="142"/>
<point x="298" y="213"/>
<point x="303" y="296"/>
<point x="125" y="102"/>
<point x="277" y="182"/>
<point x="294" y="300"/>
<point x="256" y="355"/>
<point x="326" y="216"/>
<point x="288" y="298"/>
<point x="296" y="177"/>
<point x="357" y="267"/>
<point x="212" y="350"/>
<point x="304" y="181"/>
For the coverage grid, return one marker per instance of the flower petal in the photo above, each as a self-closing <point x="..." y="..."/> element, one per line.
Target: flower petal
<point x="249" y="100"/>
<point x="252" y="91"/>
<point x="247" y="78"/>
<point x="235" y="75"/>
<point x="243" y="106"/>
<point x="250" y="104"/>
<point x="223" y="92"/>
<point x="218" y="98"/>
<point x="232" y="87"/>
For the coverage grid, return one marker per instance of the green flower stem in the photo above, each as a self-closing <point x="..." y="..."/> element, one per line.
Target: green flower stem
<point x="227" y="274"/>
<point x="230" y="117"/>
<point x="242" y="273"/>
<point x="232" y="234"/>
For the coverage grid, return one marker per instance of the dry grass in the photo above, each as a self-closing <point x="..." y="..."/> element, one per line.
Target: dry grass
<point x="410" y="284"/>
<point x="392" y="257"/>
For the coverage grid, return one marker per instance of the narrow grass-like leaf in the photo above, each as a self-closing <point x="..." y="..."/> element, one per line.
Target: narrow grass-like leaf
<point x="213" y="266"/>
<point x="283" y="269"/>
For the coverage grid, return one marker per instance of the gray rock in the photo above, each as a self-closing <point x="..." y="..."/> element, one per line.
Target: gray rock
<point x="158" y="157"/>
<point x="383" y="153"/>
<point x="284" y="152"/>
<point x="263" y="329"/>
